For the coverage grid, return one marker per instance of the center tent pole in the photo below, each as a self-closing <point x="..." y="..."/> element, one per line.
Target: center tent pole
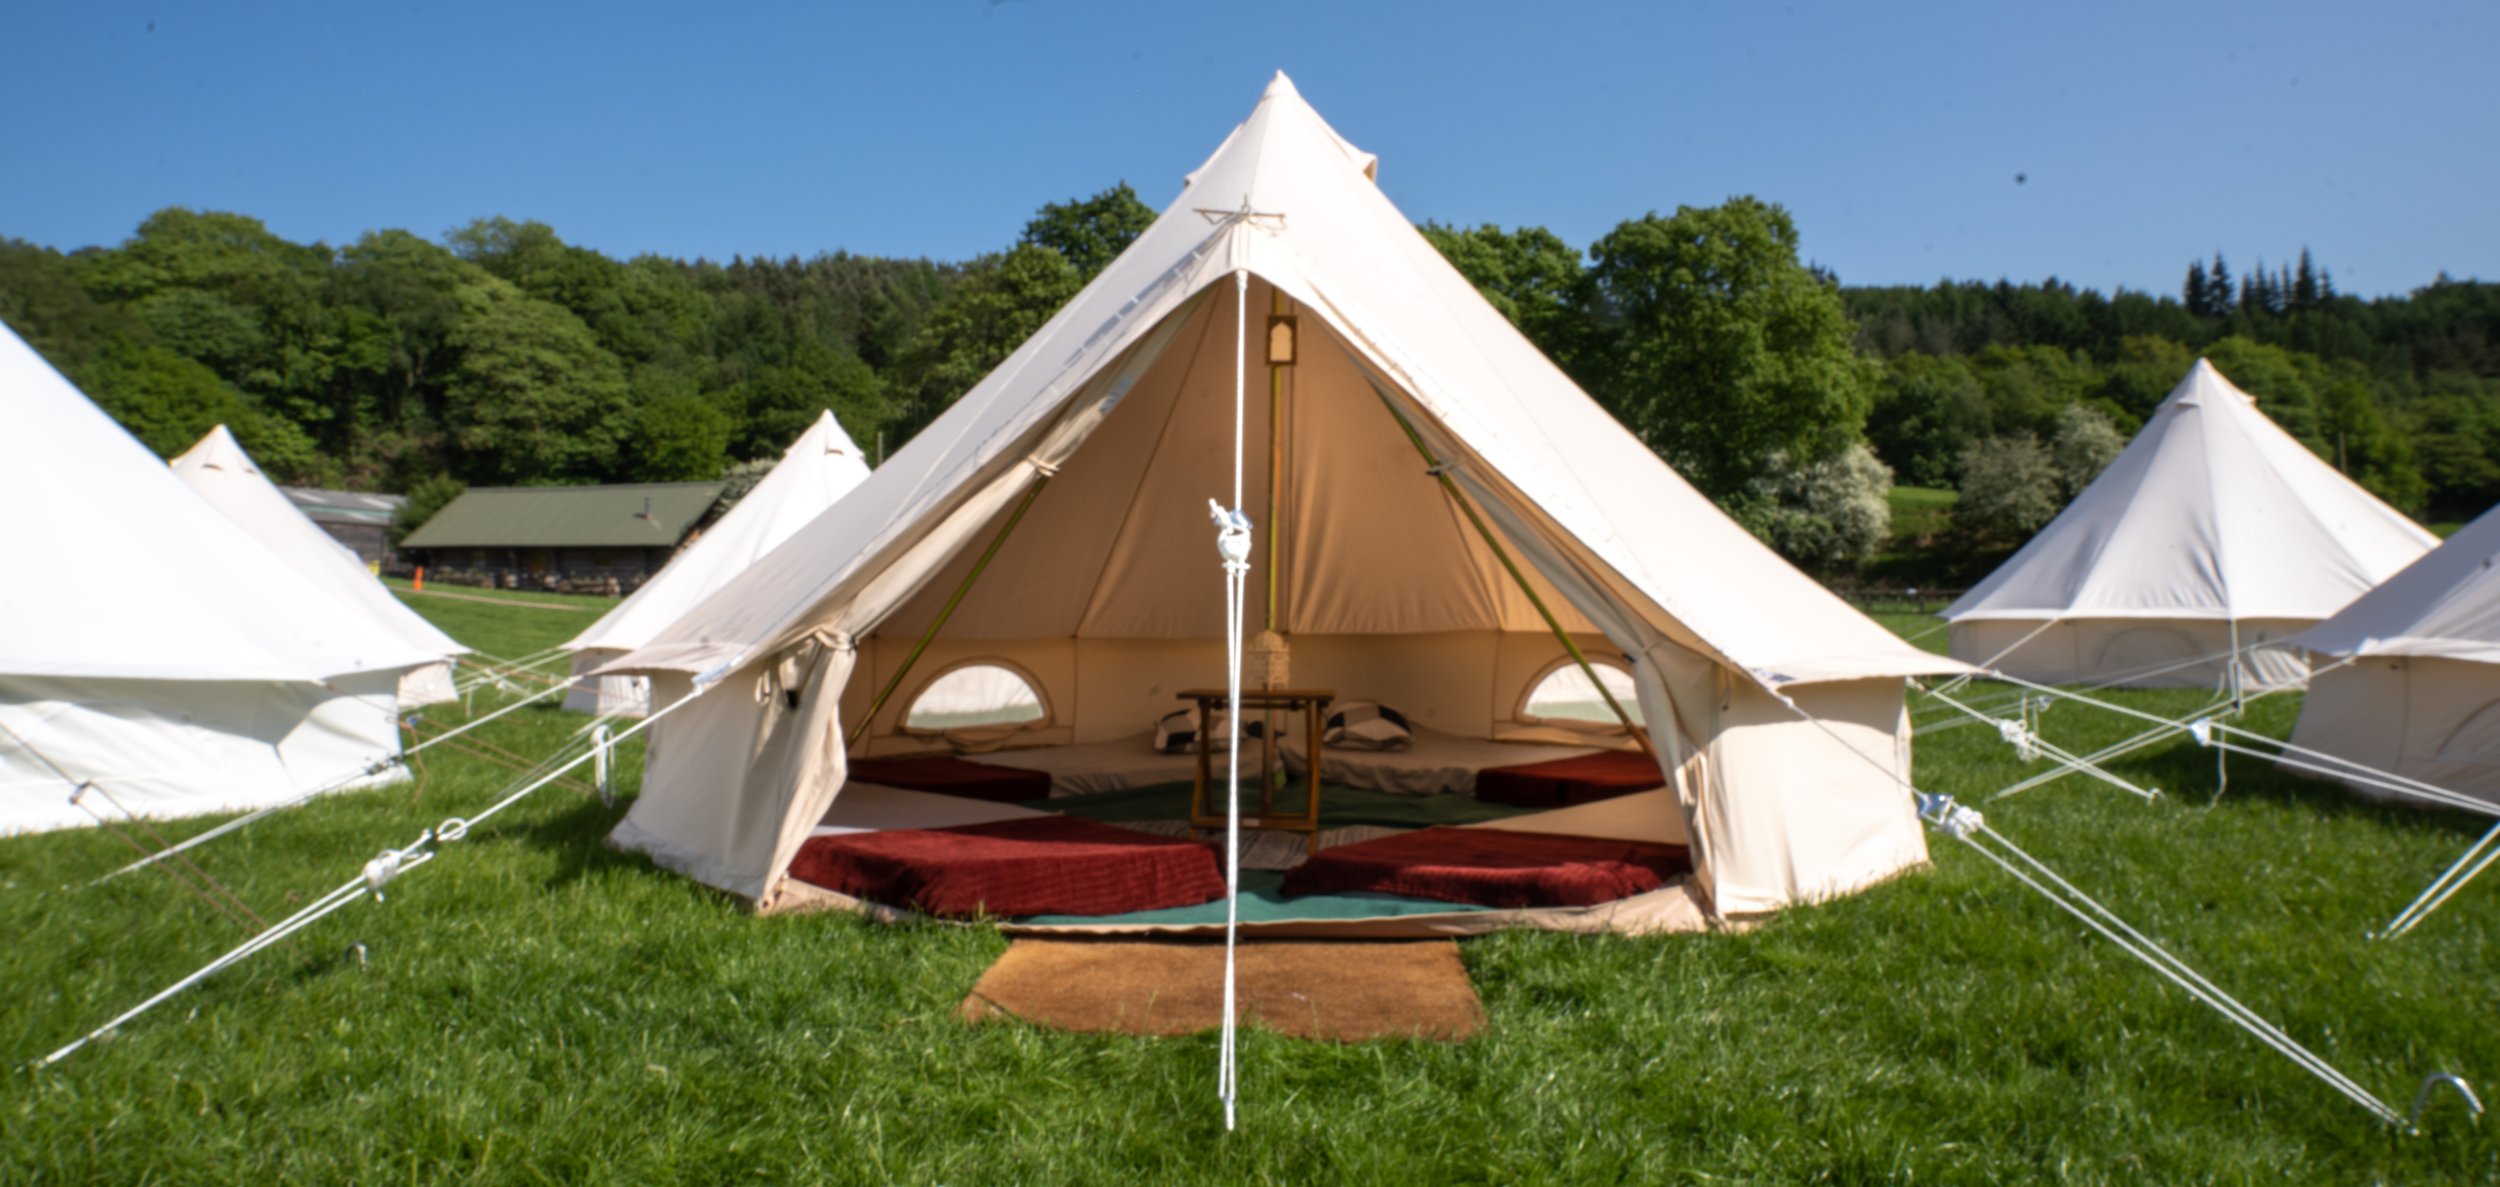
<point x="1440" y="471"/>
<point x="1040" y="480"/>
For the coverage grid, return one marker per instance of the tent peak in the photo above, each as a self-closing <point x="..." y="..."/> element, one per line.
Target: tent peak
<point x="1280" y="85"/>
<point x="217" y="450"/>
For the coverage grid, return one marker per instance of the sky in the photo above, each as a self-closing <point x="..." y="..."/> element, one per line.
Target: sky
<point x="2106" y="144"/>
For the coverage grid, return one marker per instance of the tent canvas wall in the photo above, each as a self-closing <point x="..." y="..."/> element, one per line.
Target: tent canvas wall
<point x="152" y="646"/>
<point x="219" y="471"/>
<point x="1082" y="468"/>
<point x="2213" y="531"/>
<point x="814" y="473"/>
<point x="2411" y="684"/>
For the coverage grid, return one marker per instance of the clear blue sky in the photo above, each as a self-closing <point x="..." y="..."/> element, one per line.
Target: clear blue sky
<point x="2148" y="134"/>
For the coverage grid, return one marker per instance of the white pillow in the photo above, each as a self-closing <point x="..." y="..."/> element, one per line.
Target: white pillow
<point x="1366" y="725"/>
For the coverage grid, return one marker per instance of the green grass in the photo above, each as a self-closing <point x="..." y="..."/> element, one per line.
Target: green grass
<point x="1920" y="511"/>
<point x="537" y="1008"/>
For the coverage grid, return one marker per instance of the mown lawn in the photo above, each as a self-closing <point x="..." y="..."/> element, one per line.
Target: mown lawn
<point x="533" y="1007"/>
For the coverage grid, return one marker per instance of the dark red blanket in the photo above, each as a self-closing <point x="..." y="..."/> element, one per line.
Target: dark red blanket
<point x="1567" y="781"/>
<point x="954" y="776"/>
<point x="1493" y="868"/>
<point x="1045" y="865"/>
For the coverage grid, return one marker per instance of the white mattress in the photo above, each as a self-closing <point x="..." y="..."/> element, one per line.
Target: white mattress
<point x="874" y="807"/>
<point x="1436" y="764"/>
<point x="1101" y="766"/>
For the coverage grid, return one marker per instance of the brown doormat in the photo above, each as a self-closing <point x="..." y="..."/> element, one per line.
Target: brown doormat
<point x="1347" y="991"/>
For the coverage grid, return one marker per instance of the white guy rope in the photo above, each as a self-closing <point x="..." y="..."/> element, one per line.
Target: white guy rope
<point x="2020" y="734"/>
<point x="1968" y="827"/>
<point x="2449" y="881"/>
<point x="377" y="767"/>
<point x="1233" y="542"/>
<point x="375" y="874"/>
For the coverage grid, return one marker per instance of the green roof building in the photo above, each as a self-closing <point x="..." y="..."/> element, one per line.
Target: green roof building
<point x="549" y="536"/>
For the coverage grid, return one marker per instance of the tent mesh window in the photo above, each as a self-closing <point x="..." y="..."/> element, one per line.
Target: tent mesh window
<point x="975" y="694"/>
<point x="1563" y="695"/>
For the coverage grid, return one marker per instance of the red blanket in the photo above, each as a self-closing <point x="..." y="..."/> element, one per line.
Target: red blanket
<point x="1493" y="868"/>
<point x="1566" y="781"/>
<point x="1045" y="865"/>
<point x="954" y="776"/>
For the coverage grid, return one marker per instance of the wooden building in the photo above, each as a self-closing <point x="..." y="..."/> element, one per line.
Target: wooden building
<point x="560" y="537"/>
<point x="358" y="520"/>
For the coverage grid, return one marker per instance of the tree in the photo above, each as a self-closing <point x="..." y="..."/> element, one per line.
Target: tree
<point x="1001" y="301"/>
<point x="1720" y="349"/>
<point x="680" y="438"/>
<point x="1530" y="274"/>
<point x="2009" y="489"/>
<point x="533" y="398"/>
<point x="2085" y="444"/>
<point x="1091" y="233"/>
<point x="424" y="499"/>
<point x="1927" y="411"/>
<point x="2194" y="292"/>
<point x="1829" y="515"/>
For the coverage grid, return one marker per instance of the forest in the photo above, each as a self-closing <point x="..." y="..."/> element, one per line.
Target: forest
<point x="499" y="354"/>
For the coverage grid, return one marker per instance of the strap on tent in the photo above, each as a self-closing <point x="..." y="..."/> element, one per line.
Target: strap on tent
<point x="1441" y="472"/>
<point x="1041" y="478"/>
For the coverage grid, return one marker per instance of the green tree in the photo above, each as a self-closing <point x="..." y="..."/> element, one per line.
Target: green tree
<point x="2010" y="488"/>
<point x="1828" y="515"/>
<point x="1722" y="350"/>
<point x="1927" y="411"/>
<point x="1530" y="274"/>
<point x="533" y="398"/>
<point x="2085" y="444"/>
<point x="680" y="438"/>
<point x="428" y="496"/>
<point x="1001" y="301"/>
<point x="1090" y="233"/>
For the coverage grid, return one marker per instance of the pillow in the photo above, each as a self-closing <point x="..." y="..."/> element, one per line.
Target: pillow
<point x="1177" y="732"/>
<point x="1366" y="725"/>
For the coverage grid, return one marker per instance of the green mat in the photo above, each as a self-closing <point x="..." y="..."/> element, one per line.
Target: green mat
<point x="1261" y="904"/>
<point x="1339" y="806"/>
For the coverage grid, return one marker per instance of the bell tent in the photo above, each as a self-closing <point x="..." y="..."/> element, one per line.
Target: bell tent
<point x="155" y="650"/>
<point x="2214" y="535"/>
<point x="815" y="472"/>
<point x="219" y="471"/>
<point x="2415" y="687"/>
<point x="1442" y="522"/>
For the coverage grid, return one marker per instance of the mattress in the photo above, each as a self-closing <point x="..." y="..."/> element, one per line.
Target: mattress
<point x="1031" y="866"/>
<point x="1437" y="763"/>
<point x="1567" y="781"/>
<point x="1493" y="868"/>
<point x="870" y="807"/>
<point x="954" y="776"/>
<point x="1100" y="766"/>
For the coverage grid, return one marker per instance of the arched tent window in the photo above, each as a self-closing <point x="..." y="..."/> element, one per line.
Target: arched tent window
<point x="1562" y="695"/>
<point x="977" y="694"/>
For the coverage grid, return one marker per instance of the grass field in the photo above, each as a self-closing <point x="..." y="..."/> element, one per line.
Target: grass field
<point x="534" y="1008"/>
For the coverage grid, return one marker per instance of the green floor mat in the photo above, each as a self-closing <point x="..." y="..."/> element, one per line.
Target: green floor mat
<point x="1261" y="904"/>
<point x="1339" y="806"/>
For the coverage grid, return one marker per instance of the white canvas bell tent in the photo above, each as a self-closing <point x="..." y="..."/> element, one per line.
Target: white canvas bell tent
<point x="2414" y="688"/>
<point x="2214" y="533"/>
<point x="219" y="471"/>
<point x="152" y="646"/>
<point x="1074" y="483"/>
<point x="814" y="473"/>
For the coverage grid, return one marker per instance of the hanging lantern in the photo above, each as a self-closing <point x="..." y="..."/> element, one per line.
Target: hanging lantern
<point x="1267" y="659"/>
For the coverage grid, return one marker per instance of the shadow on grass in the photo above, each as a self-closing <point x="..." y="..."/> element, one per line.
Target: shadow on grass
<point x="2185" y="765"/>
<point x="578" y="836"/>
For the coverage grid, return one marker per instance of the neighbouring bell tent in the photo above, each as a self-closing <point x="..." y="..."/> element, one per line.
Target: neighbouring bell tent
<point x="1054" y="523"/>
<point x="153" y="648"/>
<point x="219" y="471"/>
<point x="2214" y="533"/>
<point x="2413" y="683"/>
<point x="814" y="473"/>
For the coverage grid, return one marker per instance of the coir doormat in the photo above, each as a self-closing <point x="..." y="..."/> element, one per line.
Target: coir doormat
<point x="1345" y="991"/>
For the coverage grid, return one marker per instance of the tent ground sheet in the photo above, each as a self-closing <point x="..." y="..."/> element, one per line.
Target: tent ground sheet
<point x="1415" y="989"/>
